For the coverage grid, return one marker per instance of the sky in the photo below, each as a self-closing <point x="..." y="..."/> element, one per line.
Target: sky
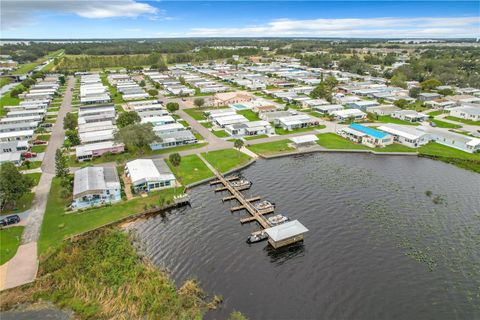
<point x="86" y="19"/>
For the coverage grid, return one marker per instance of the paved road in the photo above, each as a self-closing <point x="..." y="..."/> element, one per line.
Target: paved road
<point x="467" y="127"/>
<point x="22" y="268"/>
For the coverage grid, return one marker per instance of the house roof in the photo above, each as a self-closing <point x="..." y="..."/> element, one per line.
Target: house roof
<point x="94" y="179"/>
<point x="145" y="170"/>
<point x="304" y="139"/>
<point x="286" y="230"/>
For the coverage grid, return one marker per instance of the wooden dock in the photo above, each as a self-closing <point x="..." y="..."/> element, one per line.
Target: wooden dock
<point x="245" y="204"/>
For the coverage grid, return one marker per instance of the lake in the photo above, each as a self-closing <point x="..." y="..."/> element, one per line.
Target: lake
<point x="391" y="237"/>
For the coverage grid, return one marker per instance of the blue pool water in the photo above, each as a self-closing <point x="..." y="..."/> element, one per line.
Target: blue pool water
<point x="239" y="106"/>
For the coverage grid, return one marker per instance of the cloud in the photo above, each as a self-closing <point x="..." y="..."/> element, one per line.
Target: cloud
<point x="17" y="13"/>
<point x="386" y="27"/>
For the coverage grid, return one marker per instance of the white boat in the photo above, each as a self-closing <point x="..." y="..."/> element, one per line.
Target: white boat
<point x="257" y="237"/>
<point x="264" y="205"/>
<point x="242" y="183"/>
<point x="278" y="219"/>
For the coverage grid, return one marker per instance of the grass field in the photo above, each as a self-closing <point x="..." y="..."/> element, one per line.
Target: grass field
<point x="227" y="159"/>
<point x="195" y="113"/>
<point x="249" y="114"/>
<point x="43" y="137"/>
<point x="260" y="136"/>
<point x="281" y="131"/>
<point x="220" y="133"/>
<point x="5" y="81"/>
<point x="39" y="148"/>
<point x="190" y="170"/>
<point x="435" y="113"/>
<point x="270" y="148"/>
<point x="465" y="121"/>
<point x="35" y="177"/>
<point x="450" y="155"/>
<point x="443" y="124"/>
<point x="7" y="100"/>
<point x="32" y="165"/>
<point x="58" y="223"/>
<point x="207" y="124"/>
<point x="10" y="240"/>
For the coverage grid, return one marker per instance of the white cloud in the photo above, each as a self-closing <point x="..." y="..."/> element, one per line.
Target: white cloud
<point x="372" y="28"/>
<point x="16" y="13"/>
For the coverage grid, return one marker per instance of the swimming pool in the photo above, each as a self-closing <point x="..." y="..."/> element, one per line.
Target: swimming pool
<point x="239" y="106"/>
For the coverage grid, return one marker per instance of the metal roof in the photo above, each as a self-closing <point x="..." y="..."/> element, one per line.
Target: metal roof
<point x="286" y="230"/>
<point x="369" y="131"/>
<point x="94" y="179"/>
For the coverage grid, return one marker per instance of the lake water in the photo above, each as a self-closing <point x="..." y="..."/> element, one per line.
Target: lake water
<point x="390" y="238"/>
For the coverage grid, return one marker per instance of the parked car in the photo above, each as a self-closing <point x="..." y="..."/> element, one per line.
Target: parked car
<point x="9" y="220"/>
<point x="36" y="142"/>
<point x="433" y="124"/>
<point x="47" y="125"/>
<point x="28" y="155"/>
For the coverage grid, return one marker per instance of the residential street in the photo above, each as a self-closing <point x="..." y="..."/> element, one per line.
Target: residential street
<point x="22" y="268"/>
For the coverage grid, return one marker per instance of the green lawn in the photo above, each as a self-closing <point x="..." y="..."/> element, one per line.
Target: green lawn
<point x="451" y="155"/>
<point x="35" y="177"/>
<point x="126" y="156"/>
<point x="5" y="81"/>
<point x="395" y="147"/>
<point x="207" y="124"/>
<point x="389" y="119"/>
<point x="270" y="148"/>
<point x="9" y="240"/>
<point x="183" y="123"/>
<point x="281" y="131"/>
<point x="58" y="224"/>
<point x="465" y="121"/>
<point x="32" y="165"/>
<point x="260" y="136"/>
<point x="22" y="204"/>
<point x="220" y="133"/>
<point x="8" y="100"/>
<point x="334" y="141"/>
<point x="39" y="148"/>
<point x="249" y="114"/>
<point x="227" y="159"/>
<point x="43" y="137"/>
<point x="316" y="114"/>
<point x="443" y="124"/>
<point x="195" y="113"/>
<point x="190" y="170"/>
<point x="435" y="113"/>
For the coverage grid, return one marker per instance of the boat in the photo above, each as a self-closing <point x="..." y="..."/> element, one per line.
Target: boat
<point x="278" y="219"/>
<point x="242" y="183"/>
<point x="264" y="205"/>
<point x="257" y="237"/>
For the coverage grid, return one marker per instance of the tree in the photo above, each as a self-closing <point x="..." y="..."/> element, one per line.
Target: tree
<point x="401" y="103"/>
<point x="414" y="92"/>
<point x="61" y="164"/>
<point x="136" y="135"/>
<point x="430" y="84"/>
<point x="446" y="92"/>
<point x="331" y="82"/>
<point x="238" y="144"/>
<point x="142" y="83"/>
<point x="127" y="118"/>
<point x="398" y="80"/>
<point x="153" y="92"/>
<point x="199" y="102"/>
<point x="322" y="91"/>
<point x="175" y="159"/>
<point x="70" y="122"/>
<point x="13" y="184"/>
<point x="72" y="136"/>
<point x="172" y="106"/>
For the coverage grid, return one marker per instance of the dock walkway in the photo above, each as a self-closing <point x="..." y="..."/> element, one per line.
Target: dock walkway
<point x="256" y="215"/>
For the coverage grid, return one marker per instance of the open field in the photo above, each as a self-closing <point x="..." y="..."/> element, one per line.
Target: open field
<point x="443" y="124"/>
<point x="270" y="148"/>
<point x="249" y="114"/>
<point x="190" y="170"/>
<point x="388" y="119"/>
<point x="227" y="159"/>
